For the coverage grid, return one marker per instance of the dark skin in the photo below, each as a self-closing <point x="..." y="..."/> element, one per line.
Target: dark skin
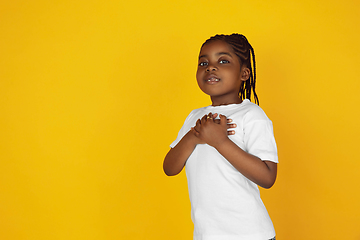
<point x="176" y="158"/>
<point x="220" y="75"/>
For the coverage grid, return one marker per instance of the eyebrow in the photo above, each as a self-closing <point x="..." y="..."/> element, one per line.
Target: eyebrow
<point x="218" y="54"/>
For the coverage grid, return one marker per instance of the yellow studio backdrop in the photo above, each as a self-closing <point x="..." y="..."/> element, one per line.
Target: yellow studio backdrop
<point x="92" y="93"/>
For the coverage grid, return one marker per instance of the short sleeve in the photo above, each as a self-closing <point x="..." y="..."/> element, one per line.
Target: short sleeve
<point x="184" y="129"/>
<point x="259" y="139"/>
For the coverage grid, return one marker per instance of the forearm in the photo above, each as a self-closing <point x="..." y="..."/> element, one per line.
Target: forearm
<point x="263" y="173"/>
<point x="176" y="158"/>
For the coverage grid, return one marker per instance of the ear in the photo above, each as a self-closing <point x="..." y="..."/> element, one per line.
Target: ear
<point x="245" y="74"/>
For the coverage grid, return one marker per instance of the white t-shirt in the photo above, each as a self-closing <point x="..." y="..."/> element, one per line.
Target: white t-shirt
<point x="225" y="205"/>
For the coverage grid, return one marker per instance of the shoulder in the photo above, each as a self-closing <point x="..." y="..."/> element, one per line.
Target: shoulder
<point x="253" y="112"/>
<point x="195" y="114"/>
<point x="199" y="111"/>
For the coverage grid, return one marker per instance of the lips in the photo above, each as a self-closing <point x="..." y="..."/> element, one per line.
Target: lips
<point x="212" y="79"/>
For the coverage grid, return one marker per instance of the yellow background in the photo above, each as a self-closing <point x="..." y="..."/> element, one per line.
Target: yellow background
<point x="93" y="92"/>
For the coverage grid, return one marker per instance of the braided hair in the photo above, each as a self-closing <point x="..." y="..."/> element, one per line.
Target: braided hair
<point x="243" y="50"/>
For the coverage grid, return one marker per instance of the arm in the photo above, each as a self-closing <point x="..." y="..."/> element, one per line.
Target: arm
<point x="176" y="158"/>
<point x="263" y="173"/>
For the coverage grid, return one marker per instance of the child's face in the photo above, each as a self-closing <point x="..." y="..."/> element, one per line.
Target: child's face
<point x="220" y="73"/>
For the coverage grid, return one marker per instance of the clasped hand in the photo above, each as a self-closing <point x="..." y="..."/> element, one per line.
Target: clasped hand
<point x="213" y="131"/>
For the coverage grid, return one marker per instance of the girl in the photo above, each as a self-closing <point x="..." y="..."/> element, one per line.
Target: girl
<point x="228" y="148"/>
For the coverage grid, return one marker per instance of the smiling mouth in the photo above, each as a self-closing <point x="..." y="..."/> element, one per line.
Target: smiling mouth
<point x="213" y="80"/>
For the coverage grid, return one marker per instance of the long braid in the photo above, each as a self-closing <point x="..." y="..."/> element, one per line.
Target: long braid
<point x="253" y="76"/>
<point x="245" y="52"/>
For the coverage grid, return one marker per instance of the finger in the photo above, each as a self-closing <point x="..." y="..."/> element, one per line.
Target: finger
<point x="229" y="120"/>
<point x="232" y="125"/>
<point x="223" y="120"/>
<point x="210" y="117"/>
<point x="193" y="129"/>
<point x="198" y="125"/>
<point x="203" y="119"/>
<point x="232" y="132"/>
<point x="196" y="133"/>
<point x="198" y="122"/>
<point x="215" y="115"/>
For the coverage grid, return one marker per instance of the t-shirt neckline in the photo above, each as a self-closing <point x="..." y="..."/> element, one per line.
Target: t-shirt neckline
<point x="229" y="106"/>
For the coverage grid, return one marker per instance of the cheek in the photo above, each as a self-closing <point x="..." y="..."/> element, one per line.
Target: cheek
<point x="198" y="75"/>
<point x="199" y="80"/>
<point x="199" y="83"/>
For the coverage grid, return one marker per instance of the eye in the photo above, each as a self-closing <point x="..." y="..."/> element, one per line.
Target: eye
<point x="224" y="61"/>
<point x="203" y="64"/>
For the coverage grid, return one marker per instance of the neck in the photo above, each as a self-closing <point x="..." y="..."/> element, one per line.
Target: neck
<point x="218" y="101"/>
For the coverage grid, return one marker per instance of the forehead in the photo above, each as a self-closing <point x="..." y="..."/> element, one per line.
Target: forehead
<point x="216" y="47"/>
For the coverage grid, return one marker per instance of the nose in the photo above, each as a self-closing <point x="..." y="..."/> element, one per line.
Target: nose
<point x="211" y="68"/>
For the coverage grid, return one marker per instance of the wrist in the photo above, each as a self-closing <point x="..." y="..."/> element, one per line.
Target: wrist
<point x="192" y="138"/>
<point x="223" y="143"/>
